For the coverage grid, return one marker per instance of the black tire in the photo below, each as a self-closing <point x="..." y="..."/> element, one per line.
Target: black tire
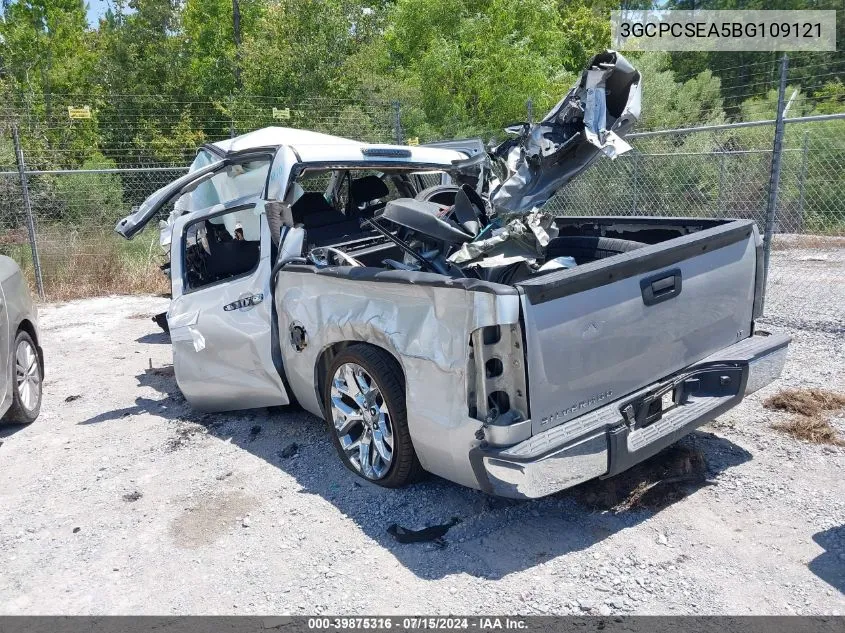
<point x="19" y="413"/>
<point x="439" y="194"/>
<point x="405" y="468"/>
<point x="587" y="249"/>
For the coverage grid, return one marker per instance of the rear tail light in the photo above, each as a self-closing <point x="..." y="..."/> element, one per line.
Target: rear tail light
<point x="497" y="393"/>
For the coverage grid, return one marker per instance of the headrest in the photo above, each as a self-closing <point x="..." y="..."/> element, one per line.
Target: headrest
<point x="368" y="188"/>
<point x="308" y="203"/>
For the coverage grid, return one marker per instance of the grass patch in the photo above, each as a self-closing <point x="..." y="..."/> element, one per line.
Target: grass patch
<point x="77" y="265"/>
<point x="806" y="402"/>
<point x="815" y="430"/>
<point x="808" y="406"/>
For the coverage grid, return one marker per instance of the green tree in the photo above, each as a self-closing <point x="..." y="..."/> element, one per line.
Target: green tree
<point x="210" y="43"/>
<point x="469" y="66"/>
<point x="46" y="50"/>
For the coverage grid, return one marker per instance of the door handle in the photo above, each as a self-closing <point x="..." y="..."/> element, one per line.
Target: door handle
<point x="244" y="302"/>
<point x="661" y="287"/>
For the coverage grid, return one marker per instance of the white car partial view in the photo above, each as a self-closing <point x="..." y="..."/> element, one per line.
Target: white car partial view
<point x="22" y="369"/>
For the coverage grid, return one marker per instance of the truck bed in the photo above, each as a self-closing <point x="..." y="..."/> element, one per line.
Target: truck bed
<point x="602" y="330"/>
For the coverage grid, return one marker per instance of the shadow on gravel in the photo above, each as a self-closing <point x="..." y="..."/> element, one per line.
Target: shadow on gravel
<point x="162" y="380"/>
<point x="490" y="537"/>
<point x="830" y="566"/>
<point x="156" y="338"/>
<point x="7" y="430"/>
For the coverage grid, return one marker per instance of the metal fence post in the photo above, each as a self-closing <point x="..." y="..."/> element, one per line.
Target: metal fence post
<point x="803" y="178"/>
<point x="529" y="110"/>
<point x="30" y="220"/>
<point x="231" y="108"/>
<point x="398" y="135"/>
<point x="635" y="156"/>
<point x="721" y="197"/>
<point x="774" y="174"/>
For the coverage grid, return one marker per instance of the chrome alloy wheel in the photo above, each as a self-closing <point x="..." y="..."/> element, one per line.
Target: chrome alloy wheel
<point x="28" y="375"/>
<point x="362" y="421"/>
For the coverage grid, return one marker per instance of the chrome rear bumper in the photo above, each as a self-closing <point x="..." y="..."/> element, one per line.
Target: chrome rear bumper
<point x="605" y="442"/>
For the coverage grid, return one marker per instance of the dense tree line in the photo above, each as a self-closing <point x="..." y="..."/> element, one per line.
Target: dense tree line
<point x="163" y="76"/>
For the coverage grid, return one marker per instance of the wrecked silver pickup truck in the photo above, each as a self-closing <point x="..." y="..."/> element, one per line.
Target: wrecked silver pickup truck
<point x="439" y="320"/>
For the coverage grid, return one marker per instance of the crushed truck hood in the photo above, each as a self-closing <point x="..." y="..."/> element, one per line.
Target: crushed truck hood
<point x="590" y="120"/>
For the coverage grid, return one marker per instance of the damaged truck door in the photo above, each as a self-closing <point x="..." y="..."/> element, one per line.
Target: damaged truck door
<point x="221" y="312"/>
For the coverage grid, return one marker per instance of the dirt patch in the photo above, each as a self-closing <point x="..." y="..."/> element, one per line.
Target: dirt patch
<point x="185" y="433"/>
<point x="140" y="316"/>
<point x="204" y="523"/>
<point x="654" y="484"/>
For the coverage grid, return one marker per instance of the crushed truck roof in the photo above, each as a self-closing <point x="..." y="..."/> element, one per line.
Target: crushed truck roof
<point x="316" y="147"/>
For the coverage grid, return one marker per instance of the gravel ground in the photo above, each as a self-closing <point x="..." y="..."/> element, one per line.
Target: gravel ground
<point x="805" y="288"/>
<point x="122" y="500"/>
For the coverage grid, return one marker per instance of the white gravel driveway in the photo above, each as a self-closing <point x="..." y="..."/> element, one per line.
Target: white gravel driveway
<point x="120" y="499"/>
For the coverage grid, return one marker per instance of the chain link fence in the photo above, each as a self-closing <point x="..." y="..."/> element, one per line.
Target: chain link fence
<point x="127" y="147"/>
<point x="725" y="171"/>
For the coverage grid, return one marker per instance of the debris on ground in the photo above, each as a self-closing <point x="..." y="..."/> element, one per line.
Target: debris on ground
<point x="653" y="484"/>
<point x="76" y="530"/>
<point x="133" y="496"/>
<point x="810" y="429"/>
<point x="288" y="451"/>
<point x="809" y="405"/>
<point x="434" y="533"/>
<point x="72" y="398"/>
<point x="807" y="402"/>
<point x="254" y="432"/>
<point x="160" y="320"/>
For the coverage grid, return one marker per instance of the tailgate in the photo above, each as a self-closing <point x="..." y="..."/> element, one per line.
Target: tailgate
<point x="600" y="331"/>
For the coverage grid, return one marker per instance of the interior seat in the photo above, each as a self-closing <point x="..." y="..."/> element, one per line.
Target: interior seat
<point x="368" y="193"/>
<point x="321" y="220"/>
<point x="228" y="257"/>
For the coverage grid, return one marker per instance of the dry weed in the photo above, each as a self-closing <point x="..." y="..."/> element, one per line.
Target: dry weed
<point x="79" y="266"/>
<point x="808" y="405"/>
<point x="809" y="402"/>
<point x="810" y="429"/>
<point x="652" y="484"/>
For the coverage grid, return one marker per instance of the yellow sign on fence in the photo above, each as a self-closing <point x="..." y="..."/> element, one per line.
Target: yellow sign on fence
<point x="281" y="114"/>
<point x="79" y="113"/>
<point x="414" y="140"/>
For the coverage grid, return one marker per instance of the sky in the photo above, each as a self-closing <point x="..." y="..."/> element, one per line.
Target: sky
<point x="96" y="10"/>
